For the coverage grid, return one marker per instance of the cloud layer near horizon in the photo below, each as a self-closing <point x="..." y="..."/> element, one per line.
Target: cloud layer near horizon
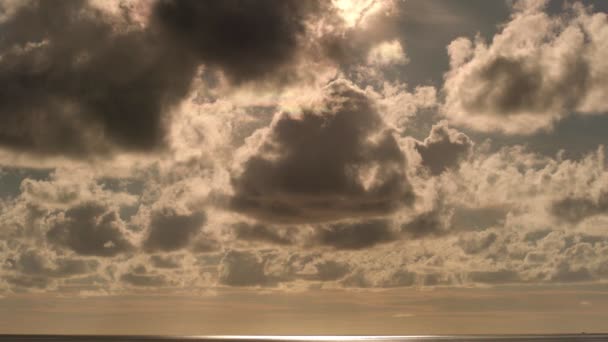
<point x="186" y="146"/>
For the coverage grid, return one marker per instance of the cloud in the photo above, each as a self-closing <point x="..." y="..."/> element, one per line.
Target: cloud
<point x="357" y="279"/>
<point x="205" y="243"/>
<point x="331" y="161"/>
<point x="330" y="270"/>
<point x="246" y="40"/>
<point x="433" y="222"/>
<point x="387" y="53"/>
<point x="303" y="188"/>
<point x="537" y="70"/>
<point x="83" y="83"/>
<point x="363" y="33"/>
<point x="65" y="188"/>
<point x="28" y="282"/>
<point x="242" y="268"/>
<point x="169" y="261"/>
<point x="400" y="278"/>
<point x="33" y="263"/>
<point x="384" y="279"/>
<point x="262" y="233"/>
<point x="40" y="269"/>
<point x="140" y="277"/>
<point x="90" y="229"/>
<point x="355" y="235"/>
<point x="564" y="273"/>
<point x="398" y="106"/>
<point x="477" y="242"/>
<point x="574" y="209"/>
<point x="170" y="230"/>
<point x="443" y="148"/>
<point x="86" y="79"/>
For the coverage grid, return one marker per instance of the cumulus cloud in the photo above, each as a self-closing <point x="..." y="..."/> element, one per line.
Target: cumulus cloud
<point x="68" y="187"/>
<point x="362" y="278"/>
<point x="565" y="273"/>
<point x="477" y="242"/>
<point x="363" y="33"/>
<point x="330" y="161"/>
<point x="355" y="235"/>
<point x="574" y="209"/>
<point x="90" y="229"/>
<point x="40" y="269"/>
<point x="170" y="230"/>
<point x="443" y="148"/>
<point x="141" y="277"/>
<point x="387" y="53"/>
<point x="330" y="270"/>
<point x="169" y="261"/>
<point x="86" y="79"/>
<point x="398" y="106"/>
<point x="33" y="263"/>
<point x="263" y="233"/>
<point x="537" y="70"/>
<point x="434" y="222"/>
<point x="243" y="268"/>
<point x="303" y="188"/>
<point x="205" y="243"/>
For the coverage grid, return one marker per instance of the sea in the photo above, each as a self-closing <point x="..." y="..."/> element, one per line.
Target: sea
<point x="426" y="338"/>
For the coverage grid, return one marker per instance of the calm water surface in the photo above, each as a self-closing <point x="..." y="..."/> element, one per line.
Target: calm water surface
<point x="462" y="338"/>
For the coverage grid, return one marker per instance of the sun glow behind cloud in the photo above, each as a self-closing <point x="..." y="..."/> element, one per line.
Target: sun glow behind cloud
<point x="353" y="12"/>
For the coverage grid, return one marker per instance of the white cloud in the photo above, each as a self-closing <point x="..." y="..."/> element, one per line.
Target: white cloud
<point x="387" y="53"/>
<point x="536" y="71"/>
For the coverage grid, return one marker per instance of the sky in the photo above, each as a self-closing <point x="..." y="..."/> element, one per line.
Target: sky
<point x="299" y="167"/>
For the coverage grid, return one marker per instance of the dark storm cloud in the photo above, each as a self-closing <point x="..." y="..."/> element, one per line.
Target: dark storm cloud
<point x="443" y="148"/>
<point x="575" y="209"/>
<point x="328" y="163"/>
<point x="90" y="229"/>
<point x="355" y="235"/>
<point x="78" y="81"/>
<point x="171" y="231"/>
<point x="75" y="84"/>
<point x="246" y="39"/>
